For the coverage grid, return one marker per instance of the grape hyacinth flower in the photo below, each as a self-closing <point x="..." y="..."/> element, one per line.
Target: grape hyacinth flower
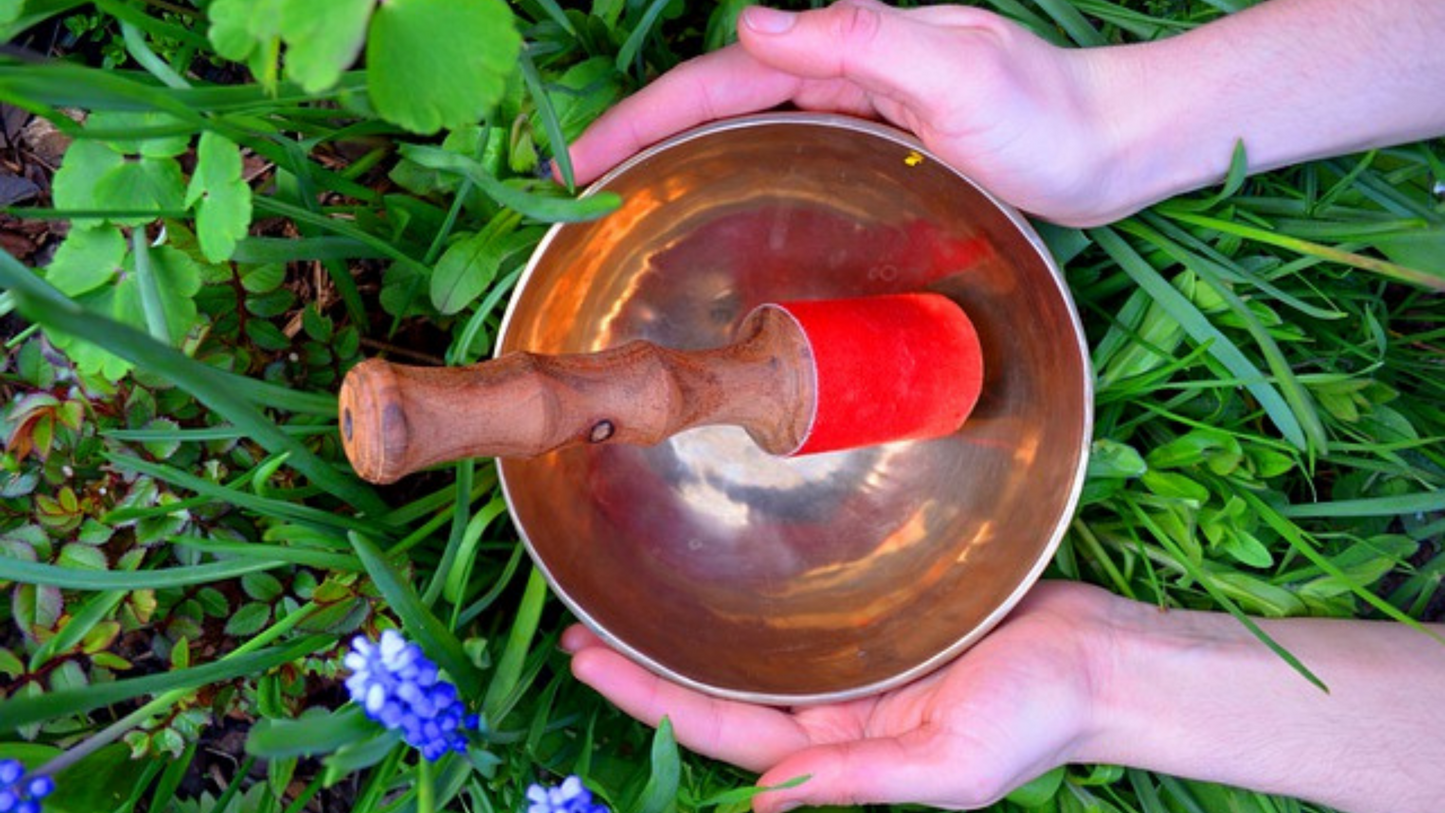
<point x="399" y="687"/>
<point x="20" y="795"/>
<point x="569" y="797"/>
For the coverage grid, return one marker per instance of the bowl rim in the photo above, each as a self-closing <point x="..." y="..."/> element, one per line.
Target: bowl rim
<point x="1046" y="554"/>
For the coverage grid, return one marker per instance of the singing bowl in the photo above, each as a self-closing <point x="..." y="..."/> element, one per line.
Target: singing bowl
<point x="809" y="579"/>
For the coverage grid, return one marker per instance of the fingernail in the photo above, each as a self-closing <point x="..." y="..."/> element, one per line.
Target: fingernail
<point x="766" y="20"/>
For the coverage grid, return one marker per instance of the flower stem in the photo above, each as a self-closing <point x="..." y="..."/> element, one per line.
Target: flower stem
<point x="425" y="790"/>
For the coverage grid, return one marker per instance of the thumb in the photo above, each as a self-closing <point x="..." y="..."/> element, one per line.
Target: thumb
<point x="878" y="48"/>
<point x="909" y="769"/>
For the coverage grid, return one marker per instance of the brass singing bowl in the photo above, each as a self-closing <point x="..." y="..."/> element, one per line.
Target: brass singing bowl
<point x="811" y="579"/>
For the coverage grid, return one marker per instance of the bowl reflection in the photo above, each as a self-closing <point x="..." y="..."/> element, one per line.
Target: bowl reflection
<point x="816" y="578"/>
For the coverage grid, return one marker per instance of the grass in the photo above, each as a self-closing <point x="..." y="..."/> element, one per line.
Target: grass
<point x="183" y="548"/>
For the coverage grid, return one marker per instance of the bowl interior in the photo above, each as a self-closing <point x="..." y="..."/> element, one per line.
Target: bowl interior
<point x="813" y="578"/>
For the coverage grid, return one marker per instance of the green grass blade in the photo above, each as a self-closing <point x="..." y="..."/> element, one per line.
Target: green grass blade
<point x="461" y="512"/>
<point x="260" y="250"/>
<point x="1074" y="24"/>
<point x="1298" y="542"/>
<point x="171" y="780"/>
<point x="339" y="227"/>
<point x="659" y="795"/>
<point x="1202" y="330"/>
<point x="278" y="509"/>
<point x="630" y="48"/>
<point x="309" y="557"/>
<point x="480" y="606"/>
<point x="1295" y="395"/>
<point x="519" y="643"/>
<point x="150" y="292"/>
<point x="140" y="51"/>
<point x="429" y="632"/>
<point x="1423" y="502"/>
<point x="1234" y="273"/>
<point x="310" y="734"/>
<point x="546" y="208"/>
<point x="19" y="711"/>
<point x="1027" y="17"/>
<point x="1384" y="268"/>
<point x="73" y="578"/>
<point x="204" y="434"/>
<point x="550" y="123"/>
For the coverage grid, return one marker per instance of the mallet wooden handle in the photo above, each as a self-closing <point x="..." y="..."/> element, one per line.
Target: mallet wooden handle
<point x="397" y="419"/>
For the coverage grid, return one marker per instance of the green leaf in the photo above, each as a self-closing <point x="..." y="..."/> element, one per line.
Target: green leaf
<point x="263" y="278"/>
<point x="162" y="449"/>
<point x="1248" y="550"/>
<point x="239" y="27"/>
<point x="18" y="15"/>
<point x="322" y="39"/>
<point x="267" y="336"/>
<point x="1039" y="790"/>
<point x="262" y="586"/>
<point x="73" y="186"/>
<point x="87" y="259"/>
<point x="82" y="556"/>
<point x="466" y="269"/>
<point x="359" y="754"/>
<point x="1110" y="458"/>
<point x="316" y="731"/>
<point x="143" y="184"/>
<point x="220" y="196"/>
<point x="439" y="63"/>
<point x="659" y="795"/>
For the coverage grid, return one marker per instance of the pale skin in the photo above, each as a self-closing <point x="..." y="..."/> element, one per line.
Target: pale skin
<point x="1075" y="674"/>
<point x="1077" y="136"/>
<point x="1078" y="675"/>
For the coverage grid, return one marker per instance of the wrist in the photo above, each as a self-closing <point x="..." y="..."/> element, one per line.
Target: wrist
<point x="1154" y="141"/>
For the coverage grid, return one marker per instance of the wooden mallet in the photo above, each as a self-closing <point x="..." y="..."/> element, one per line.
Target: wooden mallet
<point x="801" y="377"/>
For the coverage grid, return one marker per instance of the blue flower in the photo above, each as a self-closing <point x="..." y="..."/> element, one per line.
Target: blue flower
<point x="569" y="797"/>
<point x="19" y="795"/>
<point x="400" y="688"/>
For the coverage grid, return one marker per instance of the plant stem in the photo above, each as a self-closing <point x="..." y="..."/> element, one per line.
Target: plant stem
<point x="425" y="790"/>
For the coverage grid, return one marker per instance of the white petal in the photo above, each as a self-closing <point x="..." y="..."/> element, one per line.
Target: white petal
<point x="391" y="645"/>
<point x="375" y="698"/>
<point x="571" y="786"/>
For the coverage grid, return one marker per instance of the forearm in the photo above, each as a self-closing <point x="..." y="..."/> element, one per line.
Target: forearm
<point x="1195" y="694"/>
<point x="1293" y="79"/>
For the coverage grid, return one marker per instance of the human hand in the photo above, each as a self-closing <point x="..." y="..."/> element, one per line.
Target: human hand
<point x="1014" y="706"/>
<point x="1023" y="118"/>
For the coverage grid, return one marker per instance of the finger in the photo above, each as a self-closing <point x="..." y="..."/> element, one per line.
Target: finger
<point x="724" y="83"/>
<point x="577" y="637"/>
<point x="749" y="736"/>
<point x="908" y="769"/>
<point x="902" y="55"/>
